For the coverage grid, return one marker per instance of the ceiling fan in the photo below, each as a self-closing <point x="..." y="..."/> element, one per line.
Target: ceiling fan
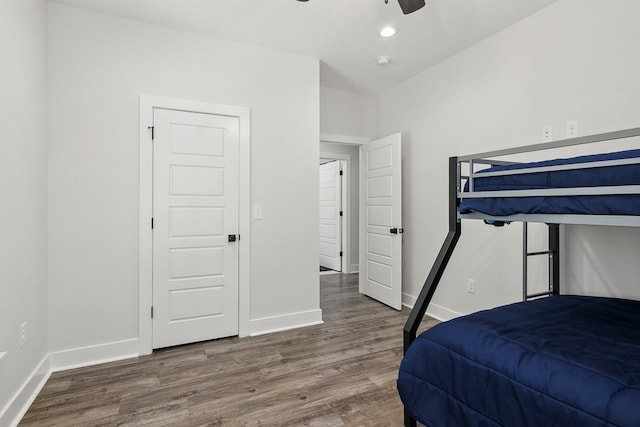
<point x="407" y="6"/>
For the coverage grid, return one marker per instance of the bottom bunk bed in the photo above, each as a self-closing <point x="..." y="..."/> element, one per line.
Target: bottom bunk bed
<point x="557" y="361"/>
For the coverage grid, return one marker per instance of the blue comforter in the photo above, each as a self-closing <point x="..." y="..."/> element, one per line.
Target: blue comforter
<point x="557" y="361"/>
<point x="588" y="177"/>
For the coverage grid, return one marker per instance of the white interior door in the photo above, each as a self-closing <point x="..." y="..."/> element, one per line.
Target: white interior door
<point x="330" y="216"/>
<point x="195" y="209"/>
<point x="381" y="228"/>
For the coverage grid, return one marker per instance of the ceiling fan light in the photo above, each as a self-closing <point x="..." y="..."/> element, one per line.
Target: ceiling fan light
<point x="387" y="31"/>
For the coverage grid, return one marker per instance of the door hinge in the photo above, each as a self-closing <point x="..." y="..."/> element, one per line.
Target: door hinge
<point x="340" y="253"/>
<point x="341" y="213"/>
<point x="341" y="173"/>
<point x="152" y="312"/>
<point x="152" y="223"/>
<point x="152" y="129"/>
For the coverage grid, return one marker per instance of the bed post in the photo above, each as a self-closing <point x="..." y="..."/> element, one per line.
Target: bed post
<point x="438" y="268"/>
<point x="554" y="258"/>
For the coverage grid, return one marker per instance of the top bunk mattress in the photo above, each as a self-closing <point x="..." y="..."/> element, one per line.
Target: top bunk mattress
<point x="559" y="361"/>
<point x="607" y="176"/>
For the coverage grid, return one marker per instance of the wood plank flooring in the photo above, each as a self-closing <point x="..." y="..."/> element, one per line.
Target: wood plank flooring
<point x="340" y="373"/>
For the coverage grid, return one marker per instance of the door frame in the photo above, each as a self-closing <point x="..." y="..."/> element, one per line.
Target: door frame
<point x="345" y="198"/>
<point x="145" y="212"/>
<point x="346" y="232"/>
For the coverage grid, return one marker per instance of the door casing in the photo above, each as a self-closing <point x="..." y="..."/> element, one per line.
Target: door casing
<point x="340" y="217"/>
<point x="346" y="161"/>
<point x="347" y="261"/>
<point x="145" y="240"/>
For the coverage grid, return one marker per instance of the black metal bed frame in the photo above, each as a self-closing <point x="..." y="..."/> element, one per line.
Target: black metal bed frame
<point x="442" y="260"/>
<point x="455" y="226"/>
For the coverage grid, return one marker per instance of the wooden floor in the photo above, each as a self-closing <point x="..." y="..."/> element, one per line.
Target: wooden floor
<point x="340" y="373"/>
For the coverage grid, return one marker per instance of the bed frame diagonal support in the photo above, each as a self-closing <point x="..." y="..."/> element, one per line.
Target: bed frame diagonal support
<point x="440" y="264"/>
<point x="437" y="270"/>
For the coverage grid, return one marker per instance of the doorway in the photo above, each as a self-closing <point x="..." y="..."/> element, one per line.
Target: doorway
<point x="349" y="156"/>
<point x="186" y="300"/>
<point x="379" y="213"/>
<point x="333" y="212"/>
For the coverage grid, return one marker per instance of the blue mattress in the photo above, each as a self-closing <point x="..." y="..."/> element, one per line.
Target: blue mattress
<point x="557" y="361"/>
<point x="588" y="177"/>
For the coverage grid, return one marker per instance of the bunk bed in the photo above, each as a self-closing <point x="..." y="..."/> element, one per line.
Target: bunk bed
<point x="551" y="359"/>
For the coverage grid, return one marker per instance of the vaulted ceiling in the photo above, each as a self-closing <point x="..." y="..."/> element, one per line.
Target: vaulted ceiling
<point x="343" y="34"/>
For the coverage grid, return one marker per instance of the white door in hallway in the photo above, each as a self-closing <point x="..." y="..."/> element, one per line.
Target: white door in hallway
<point x="330" y="216"/>
<point x="195" y="220"/>
<point x="381" y="231"/>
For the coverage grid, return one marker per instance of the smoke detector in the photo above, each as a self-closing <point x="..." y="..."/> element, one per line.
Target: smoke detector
<point x="383" y="60"/>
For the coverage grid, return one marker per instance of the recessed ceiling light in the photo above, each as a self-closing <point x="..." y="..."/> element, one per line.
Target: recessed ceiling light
<point x="387" y="31"/>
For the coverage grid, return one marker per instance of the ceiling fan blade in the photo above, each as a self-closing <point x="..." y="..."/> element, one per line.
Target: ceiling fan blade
<point x="410" y="6"/>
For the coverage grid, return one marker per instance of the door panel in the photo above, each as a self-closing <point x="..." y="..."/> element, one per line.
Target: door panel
<point x="200" y="302"/>
<point x="195" y="268"/>
<point x="330" y="220"/>
<point x="196" y="221"/>
<point x="380" y="245"/>
<point x="197" y="181"/>
<point x="381" y="263"/>
<point x="195" y="262"/>
<point x="199" y="141"/>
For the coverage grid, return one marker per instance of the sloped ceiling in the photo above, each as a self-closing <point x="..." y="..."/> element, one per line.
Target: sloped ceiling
<point x="344" y="34"/>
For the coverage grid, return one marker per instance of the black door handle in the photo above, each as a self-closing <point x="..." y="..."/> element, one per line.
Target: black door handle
<point x="396" y="230"/>
<point x="232" y="237"/>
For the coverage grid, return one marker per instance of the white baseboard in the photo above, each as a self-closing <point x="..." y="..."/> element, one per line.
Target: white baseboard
<point x="93" y="355"/>
<point x="436" y="311"/>
<point x="267" y="325"/>
<point x="408" y="300"/>
<point x="355" y="268"/>
<point x="327" y="273"/>
<point x="441" y="313"/>
<point x="13" y="412"/>
<point x="61" y="361"/>
<point x="22" y="400"/>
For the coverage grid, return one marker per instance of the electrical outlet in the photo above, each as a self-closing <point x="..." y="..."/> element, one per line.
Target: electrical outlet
<point x="572" y="129"/>
<point x="23" y="334"/>
<point x="547" y="134"/>
<point x="471" y="286"/>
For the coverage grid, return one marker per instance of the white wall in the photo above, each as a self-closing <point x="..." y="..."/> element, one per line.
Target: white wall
<point x="23" y="169"/>
<point x="347" y="113"/>
<point x="573" y="60"/>
<point x="98" y="67"/>
<point x="326" y="150"/>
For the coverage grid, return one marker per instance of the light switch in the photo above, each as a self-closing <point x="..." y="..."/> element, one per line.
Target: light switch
<point x="257" y="212"/>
